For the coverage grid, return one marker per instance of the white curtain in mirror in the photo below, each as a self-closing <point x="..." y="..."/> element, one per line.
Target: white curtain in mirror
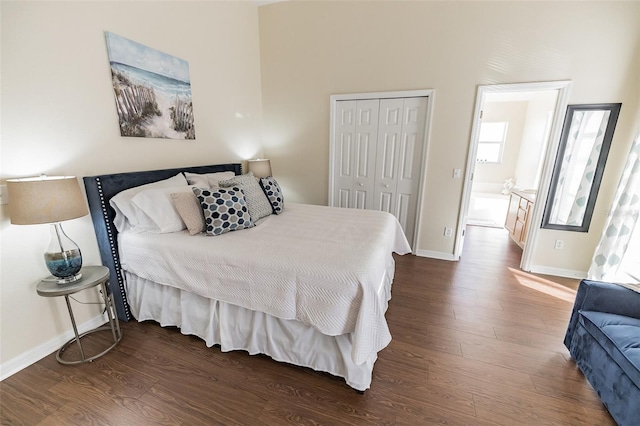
<point x="579" y="165"/>
<point x="616" y="246"/>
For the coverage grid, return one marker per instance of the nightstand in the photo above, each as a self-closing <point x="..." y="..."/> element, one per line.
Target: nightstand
<point x="91" y="276"/>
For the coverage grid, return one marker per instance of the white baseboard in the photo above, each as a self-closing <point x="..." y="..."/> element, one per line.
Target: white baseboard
<point x="558" y="272"/>
<point x="34" y="355"/>
<point x="437" y="255"/>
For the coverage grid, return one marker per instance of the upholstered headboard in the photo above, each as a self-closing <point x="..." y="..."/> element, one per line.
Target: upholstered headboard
<point x="99" y="190"/>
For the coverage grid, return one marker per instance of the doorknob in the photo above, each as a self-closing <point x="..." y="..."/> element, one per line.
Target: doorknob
<point x="386" y="185"/>
<point x="360" y="184"/>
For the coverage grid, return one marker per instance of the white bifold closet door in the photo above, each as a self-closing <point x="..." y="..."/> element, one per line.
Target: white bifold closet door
<point x="378" y="154"/>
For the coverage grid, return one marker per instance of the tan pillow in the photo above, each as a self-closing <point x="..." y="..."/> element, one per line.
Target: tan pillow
<point x="190" y="211"/>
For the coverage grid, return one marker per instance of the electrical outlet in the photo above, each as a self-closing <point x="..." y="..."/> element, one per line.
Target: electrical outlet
<point x="448" y="232"/>
<point x="559" y="245"/>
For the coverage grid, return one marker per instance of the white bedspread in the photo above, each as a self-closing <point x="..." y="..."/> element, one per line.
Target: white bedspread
<point x="326" y="267"/>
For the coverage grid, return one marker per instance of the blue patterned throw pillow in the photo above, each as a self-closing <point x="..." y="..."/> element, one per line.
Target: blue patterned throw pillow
<point x="274" y="194"/>
<point x="224" y="210"/>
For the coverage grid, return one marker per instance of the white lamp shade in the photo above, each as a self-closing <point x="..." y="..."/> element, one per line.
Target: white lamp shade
<point x="46" y="199"/>
<point x="260" y="168"/>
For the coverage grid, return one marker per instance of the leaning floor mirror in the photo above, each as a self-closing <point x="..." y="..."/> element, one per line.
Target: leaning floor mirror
<point x="584" y="146"/>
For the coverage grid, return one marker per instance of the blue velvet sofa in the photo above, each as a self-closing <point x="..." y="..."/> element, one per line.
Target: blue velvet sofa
<point x="603" y="338"/>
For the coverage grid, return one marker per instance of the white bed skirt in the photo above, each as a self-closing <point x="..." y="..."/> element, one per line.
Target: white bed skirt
<point x="236" y="328"/>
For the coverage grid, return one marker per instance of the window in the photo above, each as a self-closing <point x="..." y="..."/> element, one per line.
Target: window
<point x="491" y="142"/>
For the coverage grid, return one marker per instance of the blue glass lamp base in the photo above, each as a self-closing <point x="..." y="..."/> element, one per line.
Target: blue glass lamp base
<point x="65" y="266"/>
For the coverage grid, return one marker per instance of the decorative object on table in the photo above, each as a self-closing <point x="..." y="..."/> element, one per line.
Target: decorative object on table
<point x="51" y="199"/>
<point x="261" y="168"/>
<point x="507" y="186"/>
<point x="152" y="91"/>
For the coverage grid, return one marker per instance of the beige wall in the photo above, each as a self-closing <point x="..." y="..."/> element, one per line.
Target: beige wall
<point x="58" y="117"/>
<point x="535" y="139"/>
<point x="513" y="113"/>
<point x="310" y="50"/>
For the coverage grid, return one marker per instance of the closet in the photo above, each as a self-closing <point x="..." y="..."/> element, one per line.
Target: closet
<point x="377" y="156"/>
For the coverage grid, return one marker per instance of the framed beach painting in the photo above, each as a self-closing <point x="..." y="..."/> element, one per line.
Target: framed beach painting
<point x="152" y="91"/>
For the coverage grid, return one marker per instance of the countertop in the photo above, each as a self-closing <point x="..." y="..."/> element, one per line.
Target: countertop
<point x="528" y="194"/>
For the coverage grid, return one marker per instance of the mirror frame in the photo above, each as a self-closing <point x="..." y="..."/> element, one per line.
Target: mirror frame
<point x="614" y="109"/>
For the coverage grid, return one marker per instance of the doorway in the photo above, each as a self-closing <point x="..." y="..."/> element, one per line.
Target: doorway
<point x="511" y="151"/>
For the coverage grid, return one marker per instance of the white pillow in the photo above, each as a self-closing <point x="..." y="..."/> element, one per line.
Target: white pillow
<point x="208" y="180"/>
<point x="126" y="213"/>
<point x="156" y="205"/>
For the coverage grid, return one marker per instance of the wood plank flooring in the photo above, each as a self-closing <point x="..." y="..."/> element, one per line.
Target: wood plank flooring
<point x="475" y="342"/>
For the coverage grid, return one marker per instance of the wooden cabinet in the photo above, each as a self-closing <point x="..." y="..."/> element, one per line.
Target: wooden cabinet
<point x="519" y="215"/>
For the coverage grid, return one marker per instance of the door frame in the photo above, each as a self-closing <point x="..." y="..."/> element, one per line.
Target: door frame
<point x="429" y="94"/>
<point x="563" y="87"/>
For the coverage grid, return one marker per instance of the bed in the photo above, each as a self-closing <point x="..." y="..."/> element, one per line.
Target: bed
<point x="309" y="286"/>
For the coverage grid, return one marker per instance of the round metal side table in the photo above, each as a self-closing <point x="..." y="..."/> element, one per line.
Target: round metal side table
<point x="91" y="276"/>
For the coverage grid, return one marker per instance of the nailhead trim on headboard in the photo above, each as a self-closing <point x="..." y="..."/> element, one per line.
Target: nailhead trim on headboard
<point x="114" y="253"/>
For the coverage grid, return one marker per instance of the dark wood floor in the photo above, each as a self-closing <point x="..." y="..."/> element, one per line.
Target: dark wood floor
<point x="474" y="342"/>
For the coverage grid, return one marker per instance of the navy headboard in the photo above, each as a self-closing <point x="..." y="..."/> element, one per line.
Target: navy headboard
<point x="99" y="190"/>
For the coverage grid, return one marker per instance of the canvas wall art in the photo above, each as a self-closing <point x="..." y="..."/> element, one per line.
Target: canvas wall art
<point x="152" y="91"/>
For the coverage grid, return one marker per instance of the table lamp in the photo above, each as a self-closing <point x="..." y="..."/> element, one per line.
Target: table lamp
<point x="50" y="199"/>
<point x="261" y="168"/>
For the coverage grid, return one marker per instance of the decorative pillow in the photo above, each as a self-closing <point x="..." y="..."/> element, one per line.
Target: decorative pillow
<point x="190" y="211"/>
<point x="126" y="213"/>
<point x="274" y="194"/>
<point x="208" y="180"/>
<point x="257" y="202"/>
<point x="156" y="204"/>
<point x="224" y="210"/>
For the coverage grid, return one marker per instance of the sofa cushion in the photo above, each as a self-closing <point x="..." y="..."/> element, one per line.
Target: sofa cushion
<point x="619" y="336"/>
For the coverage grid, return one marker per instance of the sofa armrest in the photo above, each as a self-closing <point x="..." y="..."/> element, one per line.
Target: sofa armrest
<point x="602" y="297"/>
